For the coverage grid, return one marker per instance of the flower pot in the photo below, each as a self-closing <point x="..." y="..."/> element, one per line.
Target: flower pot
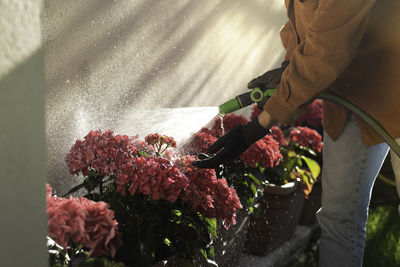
<point x="230" y="243"/>
<point x="311" y="205"/>
<point x="278" y="216"/>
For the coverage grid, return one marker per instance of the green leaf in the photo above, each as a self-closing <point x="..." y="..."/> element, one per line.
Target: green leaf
<point x="212" y="226"/>
<point x="313" y="166"/>
<point x="142" y="154"/>
<point x="167" y="241"/>
<point x="253" y="189"/>
<point x="177" y="213"/>
<point x="250" y="202"/>
<point x="307" y="149"/>
<point x="253" y="178"/>
<point x="204" y="253"/>
<point x="211" y="253"/>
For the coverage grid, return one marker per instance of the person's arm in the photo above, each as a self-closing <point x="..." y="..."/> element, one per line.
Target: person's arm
<point x="333" y="38"/>
<point x="289" y="39"/>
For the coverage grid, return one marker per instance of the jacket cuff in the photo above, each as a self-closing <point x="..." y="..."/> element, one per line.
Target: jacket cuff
<point x="280" y="109"/>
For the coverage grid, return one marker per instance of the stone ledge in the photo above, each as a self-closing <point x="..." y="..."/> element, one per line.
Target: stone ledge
<point x="281" y="256"/>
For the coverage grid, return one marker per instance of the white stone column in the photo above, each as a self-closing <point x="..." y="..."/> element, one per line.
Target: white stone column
<point x="23" y="223"/>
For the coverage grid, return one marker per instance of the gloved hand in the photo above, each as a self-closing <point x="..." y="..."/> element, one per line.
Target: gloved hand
<point x="268" y="80"/>
<point x="232" y="144"/>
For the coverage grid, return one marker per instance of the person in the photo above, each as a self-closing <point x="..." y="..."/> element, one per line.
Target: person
<point x="350" y="48"/>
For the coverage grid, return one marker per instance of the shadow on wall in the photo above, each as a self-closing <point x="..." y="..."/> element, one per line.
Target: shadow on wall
<point x="104" y="59"/>
<point x="22" y="163"/>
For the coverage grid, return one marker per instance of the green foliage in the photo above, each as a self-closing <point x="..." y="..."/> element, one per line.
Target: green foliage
<point x="151" y="230"/>
<point x="99" y="262"/>
<point x="383" y="237"/>
<point x="298" y="163"/>
<point x="247" y="181"/>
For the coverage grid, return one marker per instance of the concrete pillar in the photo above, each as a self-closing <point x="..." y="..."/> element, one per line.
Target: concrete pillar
<point x="23" y="222"/>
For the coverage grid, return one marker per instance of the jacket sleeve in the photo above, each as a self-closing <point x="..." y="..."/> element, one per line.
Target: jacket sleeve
<point x="332" y="39"/>
<point x="289" y="39"/>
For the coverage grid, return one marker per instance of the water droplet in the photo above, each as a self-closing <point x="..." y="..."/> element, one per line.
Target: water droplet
<point x="222" y="123"/>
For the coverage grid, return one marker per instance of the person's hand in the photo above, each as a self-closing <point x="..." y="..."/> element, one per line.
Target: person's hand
<point x="235" y="142"/>
<point x="269" y="80"/>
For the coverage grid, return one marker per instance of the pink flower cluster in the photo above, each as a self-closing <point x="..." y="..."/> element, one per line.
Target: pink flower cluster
<point x="210" y="196"/>
<point x="104" y="152"/>
<point x="265" y="152"/>
<point x="229" y="121"/>
<point x="155" y="177"/>
<point x="143" y="146"/>
<point x="277" y="134"/>
<point x="160" y="142"/>
<point x="200" y="142"/>
<point x="85" y="222"/>
<point x="255" y="112"/>
<point x="306" y="137"/>
<point x="313" y="116"/>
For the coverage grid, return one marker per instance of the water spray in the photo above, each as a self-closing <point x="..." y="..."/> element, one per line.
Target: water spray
<point x="257" y="95"/>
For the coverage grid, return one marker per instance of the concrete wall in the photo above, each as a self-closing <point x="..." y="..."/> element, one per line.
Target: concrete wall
<point x="22" y="136"/>
<point x="128" y="65"/>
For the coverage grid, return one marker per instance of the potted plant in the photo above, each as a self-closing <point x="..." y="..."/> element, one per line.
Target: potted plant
<point x="242" y="174"/>
<point x="288" y="184"/>
<point x="160" y="208"/>
<point x="312" y="118"/>
<point x="270" y="176"/>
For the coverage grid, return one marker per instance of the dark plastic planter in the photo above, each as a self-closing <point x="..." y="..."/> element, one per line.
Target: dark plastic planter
<point x="311" y="205"/>
<point x="279" y="214"/>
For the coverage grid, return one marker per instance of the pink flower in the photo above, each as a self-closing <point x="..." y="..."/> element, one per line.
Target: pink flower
<point x="265" y="152"/>
<point x="160" y="142"/>
<point x="152" y="176"/>
<point x="255" y="112"/>
<point x="199" y="143"/>
<point x="313" y="116"/>
<point x="306" y="137"/>
<point x="227" y="202"/>
<point x="229" y="121"/>
<point x="144" y="147"/>
<point x="208" y="195"/>
<point x="103" y="152"/>
<point x="84" y="221"/>
<point x="277" y="134"/>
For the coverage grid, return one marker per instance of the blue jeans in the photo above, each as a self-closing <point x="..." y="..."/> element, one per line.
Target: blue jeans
<point x="348" y="175"/>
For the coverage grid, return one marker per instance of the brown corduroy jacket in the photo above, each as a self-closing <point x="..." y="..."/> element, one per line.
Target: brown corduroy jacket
<point x="350" y="48"/>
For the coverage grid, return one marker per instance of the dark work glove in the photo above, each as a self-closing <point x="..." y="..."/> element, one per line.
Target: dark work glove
<point x="232" y="144"/>
<point x="268" y="80"/>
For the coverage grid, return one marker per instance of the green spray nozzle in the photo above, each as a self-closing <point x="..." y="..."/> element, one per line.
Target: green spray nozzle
<point x="254" y="96"/>
<point x="257" y="95"/>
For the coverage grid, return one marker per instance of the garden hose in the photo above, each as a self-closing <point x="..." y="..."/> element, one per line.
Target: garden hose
<point x="386" y="180"/>
<point x="257" y="95"/>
